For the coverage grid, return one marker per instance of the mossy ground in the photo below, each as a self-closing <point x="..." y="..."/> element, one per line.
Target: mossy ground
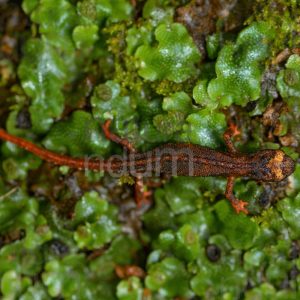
<point x="162" y="74"/>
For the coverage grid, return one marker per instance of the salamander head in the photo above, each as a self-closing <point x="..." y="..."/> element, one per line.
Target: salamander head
<point x="272" y="165"/>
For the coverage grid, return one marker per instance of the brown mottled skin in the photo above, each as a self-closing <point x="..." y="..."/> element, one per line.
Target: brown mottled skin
<point x="178" y="159"/>
<point x="264" y="165"/>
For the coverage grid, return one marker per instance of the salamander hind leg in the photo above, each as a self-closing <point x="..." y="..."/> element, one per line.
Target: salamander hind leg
<point x="142" y="196"/>
<point x="238" y="205"/>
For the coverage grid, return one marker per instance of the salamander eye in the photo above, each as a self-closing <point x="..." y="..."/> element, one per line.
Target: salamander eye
<point x="262" y="174"/>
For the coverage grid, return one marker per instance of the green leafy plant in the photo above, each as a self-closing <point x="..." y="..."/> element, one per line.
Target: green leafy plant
<point x="161" y="76"/>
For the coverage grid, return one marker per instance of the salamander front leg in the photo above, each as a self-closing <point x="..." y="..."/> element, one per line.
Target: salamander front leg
<point x="230" y="132"/>
<point x="238" y="205"/>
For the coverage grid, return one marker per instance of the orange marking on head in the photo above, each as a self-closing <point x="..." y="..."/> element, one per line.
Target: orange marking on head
<point x="275" y="165"/>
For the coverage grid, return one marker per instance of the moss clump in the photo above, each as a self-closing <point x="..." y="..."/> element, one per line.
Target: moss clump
<point x="66" y="233"/>
<point x="172" y="59"/>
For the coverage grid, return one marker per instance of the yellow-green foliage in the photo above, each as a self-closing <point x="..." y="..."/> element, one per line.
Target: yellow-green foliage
<point x="63" y="233"/>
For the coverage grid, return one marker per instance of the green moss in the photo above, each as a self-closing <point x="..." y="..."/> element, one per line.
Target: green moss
<point x="172" y="59"/>
<point x="83" y="129"/>
<point x="109" y="103"/>
<point x="12" y="285"/>
<point x="164" y="276"/>
<point x="282" y="16"/>
<point x="43" y="73"/>
<point x="64" y="232"/>
<point x="130" y="289"/>
<point x="230" y="227"/>
<point x="58" y="282"/>
<point x="209" y="279"/>
<point x="201" y="95"/>
<point x="205" y="128"/>
<point x="158" y="11"/>
<point x="85" y="36"/>
<point x="16" y="257"/>
<point x="289" y="207"/>
<point x="56" y="20"/>
<point x="288" y="80"/>
<point x="184" y="244"/>
<point x="182" y="195"/>
<point x="177" y="106"/>
<point x="36" y="291"/>
<point x="137" y="36"/>
<point x="96" y="220"/>
<point x="239" y="66"/>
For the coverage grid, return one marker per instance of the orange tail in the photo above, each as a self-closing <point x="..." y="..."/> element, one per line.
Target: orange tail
<point x="57" y="159"/>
